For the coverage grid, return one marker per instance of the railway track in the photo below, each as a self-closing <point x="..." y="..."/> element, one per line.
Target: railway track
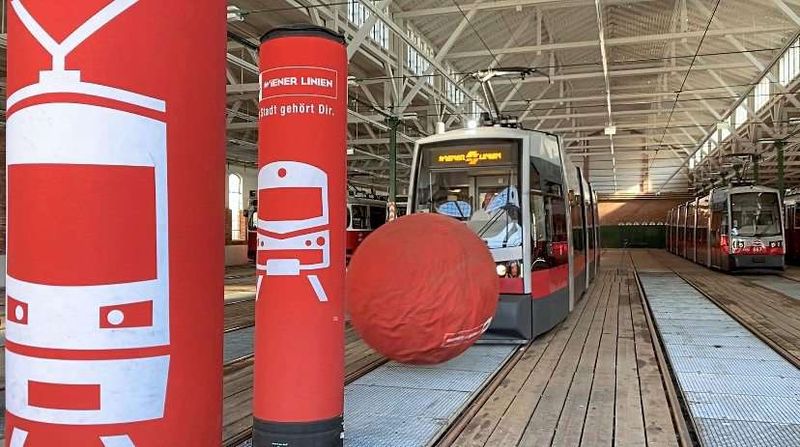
<point x="678" y="408"/>
<point x="776" y="345"/>
<point x="790" y="278"/>
<point x="451" y="434"/>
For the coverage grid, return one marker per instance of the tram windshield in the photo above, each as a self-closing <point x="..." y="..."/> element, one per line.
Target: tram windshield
<point x="755" y="214"/>
<point x="477" y="184"/>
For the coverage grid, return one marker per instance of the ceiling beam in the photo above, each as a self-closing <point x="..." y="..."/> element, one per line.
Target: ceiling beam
<point x="631" y="40"/>
<point x="507" y="4"/>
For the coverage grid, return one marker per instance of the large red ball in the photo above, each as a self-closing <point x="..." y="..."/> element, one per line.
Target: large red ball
<point x="422" y="289"/>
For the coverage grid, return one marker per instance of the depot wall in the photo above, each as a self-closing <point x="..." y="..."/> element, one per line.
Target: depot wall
<point x="634" y="223"/>
<point x="236" y="252"/>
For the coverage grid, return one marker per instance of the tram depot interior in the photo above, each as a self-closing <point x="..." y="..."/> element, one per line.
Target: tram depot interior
<point x="673" y="131"/>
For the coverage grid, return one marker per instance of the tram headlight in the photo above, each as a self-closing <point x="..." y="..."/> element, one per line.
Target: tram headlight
<point x="510" y="269"/>
<point x="501" y="270"/>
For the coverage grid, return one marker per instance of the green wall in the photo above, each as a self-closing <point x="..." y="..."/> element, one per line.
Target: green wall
<point x="638" y="236"/>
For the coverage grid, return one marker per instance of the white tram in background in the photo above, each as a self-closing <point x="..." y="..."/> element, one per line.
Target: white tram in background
<point x="731" y="228"/>
<point x="517" y="190"/>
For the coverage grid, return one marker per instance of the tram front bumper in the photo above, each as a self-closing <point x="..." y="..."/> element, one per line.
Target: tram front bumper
<point x="757" y="261"/>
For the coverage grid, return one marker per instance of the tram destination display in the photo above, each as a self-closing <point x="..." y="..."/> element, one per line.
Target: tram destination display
<point x="471" y="155"/>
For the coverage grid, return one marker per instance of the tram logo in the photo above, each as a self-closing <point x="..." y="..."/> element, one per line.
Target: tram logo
<point x="102" y="301"/>
<point x="286" y="241"/>
<point x="298" y="81"/>
<point x="471" y="158"/>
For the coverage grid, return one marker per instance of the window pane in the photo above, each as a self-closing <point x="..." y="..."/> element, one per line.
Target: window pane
<point x="235" y="204"/>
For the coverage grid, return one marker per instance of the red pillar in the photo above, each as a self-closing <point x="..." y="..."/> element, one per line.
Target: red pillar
<point x="299" y="361"/>
<point x="115" y="136"/>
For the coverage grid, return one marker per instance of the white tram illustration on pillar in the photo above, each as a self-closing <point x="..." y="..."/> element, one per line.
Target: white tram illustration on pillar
<point x="293" y="245"/>
<point x="78" y="310"/>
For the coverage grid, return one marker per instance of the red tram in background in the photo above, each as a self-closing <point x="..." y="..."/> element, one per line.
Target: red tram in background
<point x="518" y="192"/>
<point x="732" y="228"/>
<point x="792" y="226"/>
<point x="365" y="213"/>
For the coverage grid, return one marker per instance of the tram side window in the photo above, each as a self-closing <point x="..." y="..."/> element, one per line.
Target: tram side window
<point x="577" y="222"/>
<point x="549" y="229"/>
<point x="539" y="235"/>
<point x="796" y="217"/>
<point x="559" y="212"/>
<point x="377" y="216"/>
<point x="716" y="223"/>
<point x="360" y="218"/>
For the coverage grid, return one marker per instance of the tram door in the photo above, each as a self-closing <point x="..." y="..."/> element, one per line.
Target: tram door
<point x="792" y="232"/>
<point x="578" y="222"/>
<point x="691" y="231"/>
<point x="718" y="232"/>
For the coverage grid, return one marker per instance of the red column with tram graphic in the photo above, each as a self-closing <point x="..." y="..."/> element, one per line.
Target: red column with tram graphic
<point x="115" y="173"/>
<point x="299" y="346"/>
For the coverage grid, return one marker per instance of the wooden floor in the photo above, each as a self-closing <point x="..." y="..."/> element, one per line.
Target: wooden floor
<point x="592" y="381"/>
<point x="792" y="272"/>
<point x="240" y="281"/>
<point x="771" y="315"/>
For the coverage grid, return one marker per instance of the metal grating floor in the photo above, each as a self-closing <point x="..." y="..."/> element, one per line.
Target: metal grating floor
<point x="739" y="391"/>
<point x="408" y="406"/>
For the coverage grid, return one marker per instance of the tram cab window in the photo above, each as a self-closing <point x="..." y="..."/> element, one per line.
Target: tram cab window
<point x="359" y="217"/>
<point x="497" y="217"/>
<point x="475" y="182"/>
<point x="755" y="215"/>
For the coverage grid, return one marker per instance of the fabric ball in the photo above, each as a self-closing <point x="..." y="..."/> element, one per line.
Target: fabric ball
<point x="422" y="289"/>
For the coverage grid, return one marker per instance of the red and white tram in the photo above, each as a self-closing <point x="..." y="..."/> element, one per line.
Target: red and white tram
<point x="732" y="228"/>
<point x="518" y="192"/>
<point x="364" y="215"/>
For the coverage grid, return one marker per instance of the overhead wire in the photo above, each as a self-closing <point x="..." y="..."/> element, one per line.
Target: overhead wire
<point x="483" y="41"/>
<point x="688" y="72"/>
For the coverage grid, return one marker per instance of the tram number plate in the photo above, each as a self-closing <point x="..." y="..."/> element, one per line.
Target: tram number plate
<point x="759" y="259"/>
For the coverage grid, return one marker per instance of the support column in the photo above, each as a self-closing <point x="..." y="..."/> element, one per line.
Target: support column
<point x="394" y="123"/>
<point x="299" y="343"/>
<point x="116" y="156"/>
<point x="779" y="145"/>
<point x="756" y="174"/>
